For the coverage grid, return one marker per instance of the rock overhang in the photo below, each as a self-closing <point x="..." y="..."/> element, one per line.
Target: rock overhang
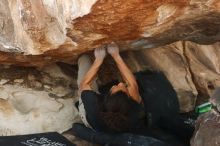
<point x="45" y="31"/>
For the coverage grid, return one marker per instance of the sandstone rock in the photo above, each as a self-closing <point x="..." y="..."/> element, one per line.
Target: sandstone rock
<point x="26" y="108"/>
<point x="204" y="63"/>
<point x="62" y="30"/>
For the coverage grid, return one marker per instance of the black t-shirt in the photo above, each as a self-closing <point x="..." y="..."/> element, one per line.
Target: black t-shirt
<point x="92" y="101"/>
<point x="92" y="104"/>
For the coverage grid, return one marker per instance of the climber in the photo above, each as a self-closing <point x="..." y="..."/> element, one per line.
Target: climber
<point x="107" y="113"/>
<point x="116" y="112"/>
<point x="122" y="111"/>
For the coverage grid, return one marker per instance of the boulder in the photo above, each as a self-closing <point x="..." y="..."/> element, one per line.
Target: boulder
<point x="34" y="101"/>
<point x="207" y="125"/>
<point x="62" y="30"/>
<point x="207" y="130"/>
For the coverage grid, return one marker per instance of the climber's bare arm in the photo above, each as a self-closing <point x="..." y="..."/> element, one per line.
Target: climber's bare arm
<point x="126" y="73"/>
<point x="100" y="54"/>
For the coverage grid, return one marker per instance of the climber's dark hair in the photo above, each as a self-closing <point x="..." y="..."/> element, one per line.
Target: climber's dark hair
<point x="116" y="111"/>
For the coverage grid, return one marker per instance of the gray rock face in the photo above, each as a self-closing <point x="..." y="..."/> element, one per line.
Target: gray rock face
<point x="35" y="101"/>
<point x="207" y="132"/>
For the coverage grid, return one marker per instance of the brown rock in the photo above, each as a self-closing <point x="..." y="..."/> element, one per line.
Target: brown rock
<point x="61" y="31"/>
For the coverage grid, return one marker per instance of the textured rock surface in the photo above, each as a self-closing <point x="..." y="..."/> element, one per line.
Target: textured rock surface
<point x="35" y="101"/>
<point x="62" y="30"/>
<point x="207" y="131"/>
<point x="204" y="64"/>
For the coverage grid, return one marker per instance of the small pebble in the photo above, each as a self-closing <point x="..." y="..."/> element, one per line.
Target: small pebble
<point x="18" y="80"/>
<point x="37" y="84"/>
<point x="3" y="81"/>
<point x="7" y="66"/>
<point x="47" y="87"/>
<point x="31" y="77"/>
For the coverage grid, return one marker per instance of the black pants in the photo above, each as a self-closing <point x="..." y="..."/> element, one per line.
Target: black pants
<point x="125" y="139"/>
